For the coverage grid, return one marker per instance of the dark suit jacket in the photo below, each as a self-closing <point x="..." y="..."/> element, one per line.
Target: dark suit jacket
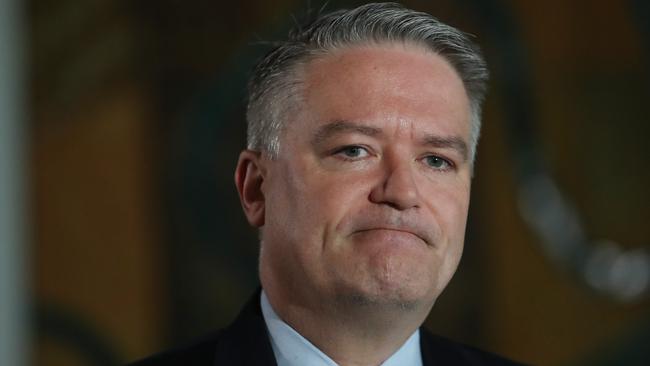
<point x="246" y="343"/>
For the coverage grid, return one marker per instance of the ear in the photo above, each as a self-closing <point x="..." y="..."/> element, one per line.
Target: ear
<point x="249" y="177"/>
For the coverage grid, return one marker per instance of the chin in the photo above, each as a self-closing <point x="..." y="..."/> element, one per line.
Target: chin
<point x="389" y="296"/>
<point x="389" y="279"/>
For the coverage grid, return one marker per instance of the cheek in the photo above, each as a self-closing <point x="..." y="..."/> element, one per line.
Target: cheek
<point x="456" y="215"/>
<point x="449" y="204"/>
<point x="452" y="213"/>
<point x="304" y="201"/>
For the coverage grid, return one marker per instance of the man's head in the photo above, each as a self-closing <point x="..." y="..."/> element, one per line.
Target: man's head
<point x="362" y="131"/>
<point x="275" y="87"/>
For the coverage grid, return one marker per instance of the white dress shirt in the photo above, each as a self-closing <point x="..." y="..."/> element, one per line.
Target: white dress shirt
<point x="292" y="349"/>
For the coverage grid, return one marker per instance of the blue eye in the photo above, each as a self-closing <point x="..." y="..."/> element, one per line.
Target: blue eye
<point x="437" y="162"/>
<point x="353" y="151"/>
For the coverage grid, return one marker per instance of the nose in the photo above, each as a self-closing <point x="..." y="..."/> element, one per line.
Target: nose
<point x="397" y="187"/>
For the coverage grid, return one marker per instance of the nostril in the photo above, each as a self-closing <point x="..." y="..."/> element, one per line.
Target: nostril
<point x="399" y="198"/>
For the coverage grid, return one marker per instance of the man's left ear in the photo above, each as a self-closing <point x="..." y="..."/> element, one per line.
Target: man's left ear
<point x="249" y="177"/>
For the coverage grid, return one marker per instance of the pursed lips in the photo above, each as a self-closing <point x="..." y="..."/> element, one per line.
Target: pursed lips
<point x="398" y="229"/>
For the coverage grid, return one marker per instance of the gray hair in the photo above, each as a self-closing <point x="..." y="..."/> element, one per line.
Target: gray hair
<point x="275" y="82"/>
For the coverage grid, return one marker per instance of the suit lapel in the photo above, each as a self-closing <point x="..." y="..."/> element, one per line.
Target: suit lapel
<point x="246" y="340"/>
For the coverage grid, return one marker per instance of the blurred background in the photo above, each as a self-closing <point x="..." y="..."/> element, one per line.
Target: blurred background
<point x="121" y="232"/>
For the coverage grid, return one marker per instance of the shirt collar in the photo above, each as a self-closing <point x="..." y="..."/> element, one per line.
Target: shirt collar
<point x="292" y="349"/>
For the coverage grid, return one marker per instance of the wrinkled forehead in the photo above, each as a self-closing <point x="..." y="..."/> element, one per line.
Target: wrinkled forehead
<point x="355" y="83"/>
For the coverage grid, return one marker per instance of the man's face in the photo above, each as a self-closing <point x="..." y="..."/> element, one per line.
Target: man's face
<point x="367" y="200"/>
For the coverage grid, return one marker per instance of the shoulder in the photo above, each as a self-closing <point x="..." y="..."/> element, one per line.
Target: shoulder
<point x="201" y="352"/>
<point x="439" y="350"/>
<point x="244" y="342"/>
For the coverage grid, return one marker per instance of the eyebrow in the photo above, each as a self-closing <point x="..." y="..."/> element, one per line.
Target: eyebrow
<point x="330" y="129"/>
<point x="453" y="142"/>
<point x="341" y="126"/>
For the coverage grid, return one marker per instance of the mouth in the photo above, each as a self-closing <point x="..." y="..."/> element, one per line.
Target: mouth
<point x="396" y="230"/>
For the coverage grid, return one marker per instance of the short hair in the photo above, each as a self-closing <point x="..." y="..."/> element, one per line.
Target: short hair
<point x="275" y="82"/>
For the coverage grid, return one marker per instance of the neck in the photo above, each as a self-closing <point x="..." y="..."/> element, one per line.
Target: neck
<point x="347" y="332"/>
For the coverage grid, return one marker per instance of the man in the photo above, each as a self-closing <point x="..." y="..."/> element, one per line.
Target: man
<point x="362" y="130"/>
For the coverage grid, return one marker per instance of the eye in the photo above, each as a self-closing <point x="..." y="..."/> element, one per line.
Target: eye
<point x="353" y="152"/>
<point x="437" y="162"/>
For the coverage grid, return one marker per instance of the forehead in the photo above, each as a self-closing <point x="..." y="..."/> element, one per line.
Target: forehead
<point x="398" y="82"/>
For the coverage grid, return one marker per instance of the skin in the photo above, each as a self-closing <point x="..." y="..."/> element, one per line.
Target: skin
<point x="363" y="211"/>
